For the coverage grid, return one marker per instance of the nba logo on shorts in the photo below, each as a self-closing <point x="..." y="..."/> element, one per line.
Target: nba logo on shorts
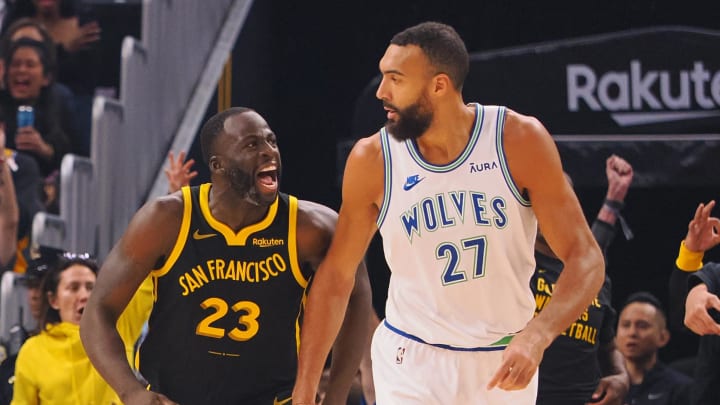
<point x="399" y="355"/>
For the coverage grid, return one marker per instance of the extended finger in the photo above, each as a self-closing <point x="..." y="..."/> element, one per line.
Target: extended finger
<point x="188" y="164"/>
<point x="502" y="372"/>
<point x="517" y="378"/>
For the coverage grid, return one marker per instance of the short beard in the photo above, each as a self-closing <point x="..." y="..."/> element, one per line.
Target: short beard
<point x="411" y="122"/>
<point x="243" y="183"/>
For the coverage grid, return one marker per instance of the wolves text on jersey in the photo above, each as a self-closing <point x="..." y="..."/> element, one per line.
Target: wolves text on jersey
<point x="236" y="270"/>
<point x="445" y="210"/>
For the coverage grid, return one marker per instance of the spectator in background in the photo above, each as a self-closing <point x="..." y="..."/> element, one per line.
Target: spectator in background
<point x="700" y="309"/>
<point x="178" y="171"/>
<point x="27" y="183"/>
<point x="641" y="332"/>
<point x="29" y="28"/>
<point x="32" y="280"/>
<point x="27" y="78"/>
<point x="76" y="33"/>
<point x="53" y="364"/>
<point x="9" y="211"/>
<point x="582" y="364"/>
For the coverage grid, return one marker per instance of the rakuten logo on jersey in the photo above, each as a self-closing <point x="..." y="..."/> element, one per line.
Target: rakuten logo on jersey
<point x="638" y="97"/>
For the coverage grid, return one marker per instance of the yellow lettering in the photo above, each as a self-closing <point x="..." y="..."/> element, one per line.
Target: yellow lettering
<point x="585" y="336"/>
<point x="540" y="301"/>
<point x="241" y="269"/>
<point x="541" y="284"/>
<point x="211" y="268"/>
<point x="263" y="268"/>
<point x="220" y="263"/>
<point x="230" y="273"/>
<point x="182" y="283"/>
<point x="200" y="275"/>
<point x="279" y="262"/>
<point x="191" y="282"/>
<point x="251" y="276"/>
<point x="269" y="266"/>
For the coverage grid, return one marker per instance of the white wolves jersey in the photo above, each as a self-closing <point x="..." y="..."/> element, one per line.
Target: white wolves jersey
<point x="459" y="241"/>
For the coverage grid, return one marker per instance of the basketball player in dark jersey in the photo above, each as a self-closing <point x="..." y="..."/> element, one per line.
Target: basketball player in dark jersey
<point x="230" y="261"/>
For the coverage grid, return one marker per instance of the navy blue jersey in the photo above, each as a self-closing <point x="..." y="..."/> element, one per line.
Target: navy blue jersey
<point x="224" y="328"/>
<point x="569" y="371"/>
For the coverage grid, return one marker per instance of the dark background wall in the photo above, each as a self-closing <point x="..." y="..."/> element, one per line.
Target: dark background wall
<point x="303" y="64"/>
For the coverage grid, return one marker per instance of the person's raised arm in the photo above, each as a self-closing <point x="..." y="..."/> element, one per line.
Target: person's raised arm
<point x="335" y="277"/>
<point x="701" y="236"/>
<point x="149" y="238"/>
<point x="619" y="176"/>
<point x="535" y="166"/>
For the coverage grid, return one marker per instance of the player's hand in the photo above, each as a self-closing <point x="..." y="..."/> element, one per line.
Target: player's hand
<point x="611" y="390"/>
<point x="178" y="172"/>
<point x="520" y="362"/>
<point x="703" y="229"/>
<point x="145" y="397"/>
<point x="619" y="175"/>
<point x="697" y="318"/>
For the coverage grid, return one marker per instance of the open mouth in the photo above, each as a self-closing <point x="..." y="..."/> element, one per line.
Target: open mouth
<point x="21" y="85"/>
<point x="267" y="180"/>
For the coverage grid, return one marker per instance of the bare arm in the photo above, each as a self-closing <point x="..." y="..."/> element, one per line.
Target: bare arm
<point x="9" y="212"/>
<point x="351" y="341"/>
<point x="149" y="237"/>
<point x="702" y="236"/>
<point x="316" y="226"/>
<point x="614" y="385"/>
<point x="336" y="274"/>
<point x="535" y="165"/>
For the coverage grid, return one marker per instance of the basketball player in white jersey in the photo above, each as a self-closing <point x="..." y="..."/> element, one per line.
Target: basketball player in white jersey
<point x="455" y="190"/>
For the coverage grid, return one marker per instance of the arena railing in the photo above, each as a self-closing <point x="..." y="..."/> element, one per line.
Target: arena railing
<point x="166" y="82"/>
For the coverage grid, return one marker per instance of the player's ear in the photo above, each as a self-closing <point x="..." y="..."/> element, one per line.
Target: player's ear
<point x="215" y="164"/>
<point x="441" y="83"/>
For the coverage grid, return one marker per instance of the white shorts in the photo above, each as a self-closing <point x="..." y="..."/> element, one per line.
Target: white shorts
<point x="407" y="372"/>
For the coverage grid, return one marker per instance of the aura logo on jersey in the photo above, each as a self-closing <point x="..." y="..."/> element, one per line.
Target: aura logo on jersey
<point x="446" y="209"/>
<point x="233" y="270"/>
<point x="637" y="96"/>
<point x="483" y="166"/>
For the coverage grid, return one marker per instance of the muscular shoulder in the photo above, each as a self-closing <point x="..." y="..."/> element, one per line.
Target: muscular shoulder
<point x="315" y="228"/>
<point x="528" y="147"/>
<point x="156" y="224"/>
<point x="368" y="148"/>
<point x="364" y="174"/>
<point x="165" y="208"/>
<point x="521" y="128"/>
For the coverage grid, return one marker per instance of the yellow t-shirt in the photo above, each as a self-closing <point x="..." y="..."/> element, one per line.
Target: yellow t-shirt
<point x="52" y="368"/>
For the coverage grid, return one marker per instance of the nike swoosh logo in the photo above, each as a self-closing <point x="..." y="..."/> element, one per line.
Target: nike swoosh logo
<point x="197" y="235"/>
<point x="411" y="182"/>
<point x="284" y="401"/>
